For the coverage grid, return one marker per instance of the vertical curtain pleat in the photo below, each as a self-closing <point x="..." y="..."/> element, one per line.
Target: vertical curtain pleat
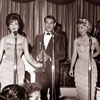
<point x="98" y="12"/>
<point x="36" y="17"/>
<point x="33" y="14"/>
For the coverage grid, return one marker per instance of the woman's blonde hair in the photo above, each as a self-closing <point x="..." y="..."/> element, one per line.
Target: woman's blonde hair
<point x="86" y="23"/>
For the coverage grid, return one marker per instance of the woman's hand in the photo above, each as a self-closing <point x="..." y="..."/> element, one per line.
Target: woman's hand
<point x="71" y="73"/>
<point x="38" y="65"/>
<point x="42" y="56"/>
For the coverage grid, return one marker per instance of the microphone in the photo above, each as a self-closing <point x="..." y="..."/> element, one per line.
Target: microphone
<point x="90" y="39"/>
<point x="52" y="32"/>
<point x="88" y="33"/>
<point x="15" y="59"/>
<point x="15" y="34"/>
<point x="90" y="42"/>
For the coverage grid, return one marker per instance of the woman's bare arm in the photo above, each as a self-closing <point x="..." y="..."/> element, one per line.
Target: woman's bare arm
<point x="74" y="56"/>
<point x="1" y="48"/>
<point x="29" y="57"/>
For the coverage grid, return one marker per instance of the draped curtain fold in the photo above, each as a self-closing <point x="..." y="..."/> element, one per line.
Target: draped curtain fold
<point x="33" y="14"/>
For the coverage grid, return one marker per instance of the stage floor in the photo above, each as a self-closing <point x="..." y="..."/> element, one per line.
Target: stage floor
<point x="68" y="93"/>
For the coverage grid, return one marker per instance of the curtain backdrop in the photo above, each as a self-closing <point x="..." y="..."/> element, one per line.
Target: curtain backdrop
<point x="33" y="14"/>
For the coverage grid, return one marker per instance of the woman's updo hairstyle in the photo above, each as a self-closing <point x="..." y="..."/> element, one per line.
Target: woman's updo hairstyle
<point x="14" y="16"/>
<point x="85" y="22"/>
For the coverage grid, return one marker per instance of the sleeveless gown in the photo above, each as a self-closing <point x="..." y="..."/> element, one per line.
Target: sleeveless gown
<point x="81" y="73"/>
<point x="7" y="64"/>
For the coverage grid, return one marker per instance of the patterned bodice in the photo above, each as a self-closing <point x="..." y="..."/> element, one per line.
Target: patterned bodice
<point x="9" y="49"/>
<point x="83" y="50"/>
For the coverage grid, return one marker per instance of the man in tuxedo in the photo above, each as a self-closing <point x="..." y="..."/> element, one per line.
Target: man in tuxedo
<point x="49" y="50"/>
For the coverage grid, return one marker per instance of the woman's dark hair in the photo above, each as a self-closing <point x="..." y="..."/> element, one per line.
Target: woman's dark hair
<point x="15" y="16"/>
<point x="2" y="97"/>
<point x="14" y="92"/>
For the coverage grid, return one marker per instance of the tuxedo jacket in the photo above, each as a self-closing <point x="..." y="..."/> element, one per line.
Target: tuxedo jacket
<point x="59" y="50"/>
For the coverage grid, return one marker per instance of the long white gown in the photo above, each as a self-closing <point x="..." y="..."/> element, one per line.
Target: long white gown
<point x="81" y="72"/>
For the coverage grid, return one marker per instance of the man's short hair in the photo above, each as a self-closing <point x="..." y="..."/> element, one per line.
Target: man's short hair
<point x="49" y="17"/>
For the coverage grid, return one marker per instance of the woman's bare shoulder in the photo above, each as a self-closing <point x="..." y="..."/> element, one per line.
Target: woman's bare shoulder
<point x="5" y="37"/>
<point x="76" y="40"/>
<point x="94" y="40"/>
<point x="21" y="37"/>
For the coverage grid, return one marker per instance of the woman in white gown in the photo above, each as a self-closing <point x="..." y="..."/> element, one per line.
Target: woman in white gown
<point x="81" y="50"/>
<point x="7" y="47"/>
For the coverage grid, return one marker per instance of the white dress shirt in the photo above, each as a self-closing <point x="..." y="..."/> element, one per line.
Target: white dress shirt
<point x="47" y="39"/>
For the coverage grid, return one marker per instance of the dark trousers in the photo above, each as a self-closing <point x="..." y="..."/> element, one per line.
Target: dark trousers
<point x="45" y="79"/>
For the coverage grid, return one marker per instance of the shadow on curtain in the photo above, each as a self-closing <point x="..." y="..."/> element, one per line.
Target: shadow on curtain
<point x="61" y="2"/>
<point x="23" y="1"/>
<point x="95" y="2"/>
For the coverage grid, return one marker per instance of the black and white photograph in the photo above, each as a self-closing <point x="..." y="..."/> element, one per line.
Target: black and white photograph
<point x="49" y="49"/>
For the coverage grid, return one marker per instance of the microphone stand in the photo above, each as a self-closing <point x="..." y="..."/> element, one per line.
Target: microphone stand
<point x="53" y="71"/>
<point x="43" y="55"/>
<point x="42" y="49"/>
<point x="90" y="69"/>
<point x="15" y="61"/>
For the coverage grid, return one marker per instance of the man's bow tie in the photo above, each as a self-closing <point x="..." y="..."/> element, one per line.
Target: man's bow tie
<point x="47" y="33"/>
